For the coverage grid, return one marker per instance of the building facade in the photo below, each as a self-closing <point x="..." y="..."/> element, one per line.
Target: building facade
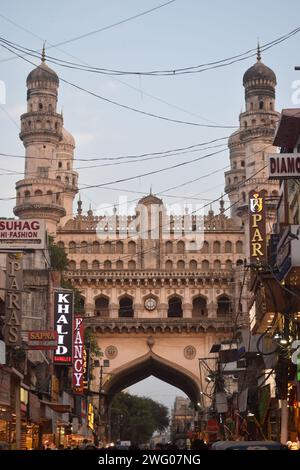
<point x="155" y="299"/>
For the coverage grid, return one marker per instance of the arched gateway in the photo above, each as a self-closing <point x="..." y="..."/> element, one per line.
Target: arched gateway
<point x="153" y="306"/>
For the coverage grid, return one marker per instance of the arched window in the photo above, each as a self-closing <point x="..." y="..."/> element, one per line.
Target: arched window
<point x="95" y="264"/>
<point x="169" y="247"/>
<point x="217" y="264"/>
<point x="72" y="247"/>
<point x="61" y="244"/>
<point x="224" y="305"/>
<point x="38" y="193"/>
<point x="131" y="264"/>
<point x="58" y="178"/>
<point x="205" y="265"/>
<point x="81" y="304"/>
<point x="228" y="247"/>
<point x="119" y="264"/>
<point x="126" y="307"/>
<point x="107" y="247"/>
<point x="228" y="264"/>
<point x="217" y="247"/>
<point x="180" y="264"/>
<point x="261" y="105"/>
<point x="243" y="164"/>
<point x="169" y="265"/>
<point x="245" y="124"/>
<point x="251" y="106"/>
<point x="96" y="247"/>
<point x="83" y="247"/>
<point x="40" y="106"/>
<point x="175" y="307"/>
<point x="193" y="246"/>
<point x="119" y="247"/>
<point x="205" y="247"/>
<point x="180" y="247"/>
<point x="50" y="196"/>
<point x="239" y="247"/>
<point x="199" y="307"/>
<point x="67" y="180"/>
<point x="72" y="265"/>
<point x="102" y="307"/>
<point x="107" y="264"/>
<point x="193" y="265"/>
<point x="253" y="122"/>
<point x="240" y="262"/>
<point x="50" y="108"/>
<point x="270" y="105"/>
<point x="27" y="195"/>
<point x="131" y="248"/>
<point x="83" y="264"/>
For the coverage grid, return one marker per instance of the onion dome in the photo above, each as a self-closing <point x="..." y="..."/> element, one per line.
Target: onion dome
<point x="42" y="72"/>
<point x="67" y="138"/>
<point x="259" y="78"/>
<point x="149" y="200"/>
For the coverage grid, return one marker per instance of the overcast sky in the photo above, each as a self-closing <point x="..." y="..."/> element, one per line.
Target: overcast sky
<point x="184" y="33"/>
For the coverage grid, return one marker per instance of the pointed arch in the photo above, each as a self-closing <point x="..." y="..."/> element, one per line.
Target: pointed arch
<point x="152" y="364"/>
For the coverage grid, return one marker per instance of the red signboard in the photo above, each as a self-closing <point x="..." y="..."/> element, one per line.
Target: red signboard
<point x="42" y="339"/>
<point x="78" y="355"/>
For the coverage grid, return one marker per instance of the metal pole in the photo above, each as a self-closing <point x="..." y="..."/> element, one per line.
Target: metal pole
<point x="18" y="415"/>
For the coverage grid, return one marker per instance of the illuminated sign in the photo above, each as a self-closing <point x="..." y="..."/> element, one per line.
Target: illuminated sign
<point x="13" y="299"/>
<point x="284" y="165"/>
<point x="22" y="234"/>
<point x="63" y="324"/>
<point x="257" y="225"/>
<point x="42" y="339"/>
<point x="91" y="416"/>
<point x="78" y="355"/>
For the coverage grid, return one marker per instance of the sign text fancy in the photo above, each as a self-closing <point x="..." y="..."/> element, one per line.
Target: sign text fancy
<point x="78" y="355"/>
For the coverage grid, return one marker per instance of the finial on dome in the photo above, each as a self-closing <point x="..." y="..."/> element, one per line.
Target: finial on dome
<point x="79" y="205"/>
<point x="43" y="53"/>
<point x="150" y="190"/>
<point x="258" y="54"/>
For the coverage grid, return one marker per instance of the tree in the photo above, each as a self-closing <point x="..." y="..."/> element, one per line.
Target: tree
<point x="58" y="256"/>
<point x="136" y="418"/>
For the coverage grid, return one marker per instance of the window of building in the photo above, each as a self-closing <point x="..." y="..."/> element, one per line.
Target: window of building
<point x="193" y="265"/>
<point x="180" y="247"/>
<point x="261" y="105"/>
<point x="217" y="247"/>
<point x="119" y="264"/>
<point x="199" y="307"/>
<point x="224" y="305"/>
<point x="126" y="307"/>
<point x="83" y="264"/>
<point x="107" y="264"/>
<point x="169" y="265"/>
<point x="228" y="247"/>
<point x="169" y="247"/>
<point x="175" y="307"/>
<point x="205" y="265"/>
<point x="180" y="264"/>
<point x="102" y="307"/>
<point x="95" y="264"/>
<point x="72" y="247"/>
<point x="131" y="264"/>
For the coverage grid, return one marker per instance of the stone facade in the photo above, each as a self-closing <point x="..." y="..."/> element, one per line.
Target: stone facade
<point x="155" y="303"/>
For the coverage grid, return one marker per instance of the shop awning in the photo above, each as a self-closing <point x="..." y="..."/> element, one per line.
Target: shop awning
<point x="57" y="407"/>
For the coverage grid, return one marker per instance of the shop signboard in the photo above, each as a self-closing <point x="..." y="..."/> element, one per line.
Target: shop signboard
<point x="27" y="234"/>
<point x="42" y="339"/>
<point x="78" y="355"/>
<point x="4" y="388"/>
<point x="13" y="299"/>
<point x="284" y="165"/>
<point x="63" y="324"/>
<point x="257" y="226"/>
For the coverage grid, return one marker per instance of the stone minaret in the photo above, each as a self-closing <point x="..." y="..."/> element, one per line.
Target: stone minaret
<point x="250" y="145"/>
<point x="49" y="183"/>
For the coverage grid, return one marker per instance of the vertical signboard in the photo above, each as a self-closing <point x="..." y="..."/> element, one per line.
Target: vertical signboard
<point x="257" y="225"/>
<point x="63" y="324"/>
<point x="13" y="299"/>
<point x="78" y="355"/>
<point x="86" y="366"/>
